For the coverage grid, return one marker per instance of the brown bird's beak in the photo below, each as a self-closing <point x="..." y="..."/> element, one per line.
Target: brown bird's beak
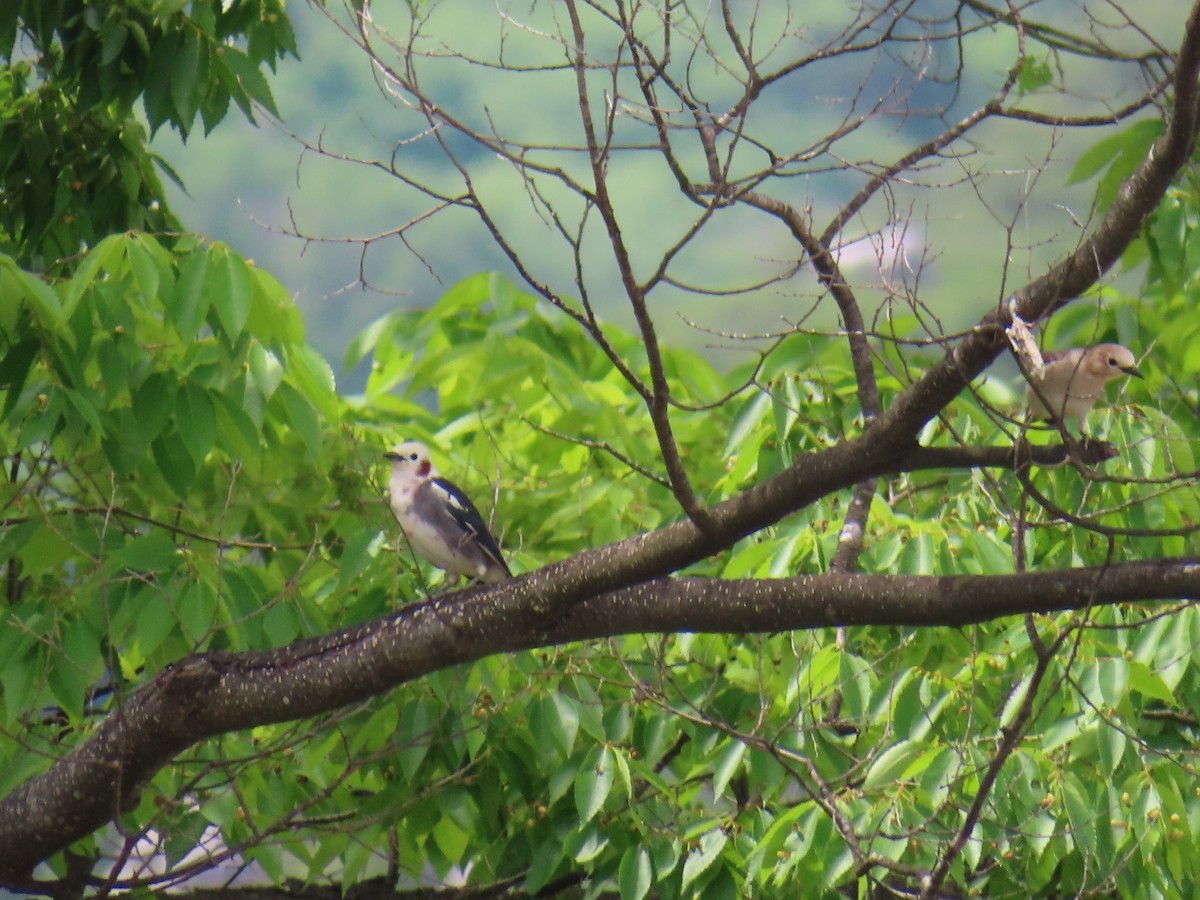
<point x="1132" y="370"/>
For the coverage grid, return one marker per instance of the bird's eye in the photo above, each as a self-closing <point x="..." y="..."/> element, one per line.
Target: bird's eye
<point x="414" y="457"/>
<point x="1112" y="361"/>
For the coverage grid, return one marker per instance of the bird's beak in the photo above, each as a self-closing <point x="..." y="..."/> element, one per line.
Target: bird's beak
<point x="1132" y="370"/>
<point x="391" y="454"/>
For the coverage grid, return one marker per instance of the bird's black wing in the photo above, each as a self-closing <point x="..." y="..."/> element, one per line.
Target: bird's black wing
<point x="467" y="517"/>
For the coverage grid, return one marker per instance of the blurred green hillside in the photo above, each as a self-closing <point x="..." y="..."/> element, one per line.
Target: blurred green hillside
<point x="249" y="185"/>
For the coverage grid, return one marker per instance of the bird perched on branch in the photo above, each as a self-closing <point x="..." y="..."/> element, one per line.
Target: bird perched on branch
<point x="1073" y="380"/>
<point x="439" y="520"/>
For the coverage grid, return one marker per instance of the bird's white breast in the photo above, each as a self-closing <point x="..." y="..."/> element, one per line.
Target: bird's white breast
<point x="425" y="538"/>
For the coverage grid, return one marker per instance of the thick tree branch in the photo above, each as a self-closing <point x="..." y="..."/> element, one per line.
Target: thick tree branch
<point x="206" y="695"/>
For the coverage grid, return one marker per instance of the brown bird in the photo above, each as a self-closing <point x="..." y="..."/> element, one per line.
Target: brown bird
<point x="1074" y="380"/>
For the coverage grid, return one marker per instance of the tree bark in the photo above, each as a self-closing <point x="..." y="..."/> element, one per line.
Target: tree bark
<point x="212" y="693"/>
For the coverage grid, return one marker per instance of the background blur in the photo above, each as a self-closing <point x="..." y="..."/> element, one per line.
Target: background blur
<point x="249" y="185"/>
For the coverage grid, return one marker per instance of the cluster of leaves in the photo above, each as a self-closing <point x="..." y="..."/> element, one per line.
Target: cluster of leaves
<point x="147" y="432"/>
<point x="748" y="765"/>
<point x="184" y="476"/>
<point x="180" y="475"/>
<point x="74" y="165"/>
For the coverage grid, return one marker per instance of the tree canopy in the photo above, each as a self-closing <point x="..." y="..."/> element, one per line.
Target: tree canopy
<point x="835" y="619"/>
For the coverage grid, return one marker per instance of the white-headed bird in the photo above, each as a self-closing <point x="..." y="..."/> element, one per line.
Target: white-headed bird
<point x="1074" y="380"/>
<point x="439" y="520"/>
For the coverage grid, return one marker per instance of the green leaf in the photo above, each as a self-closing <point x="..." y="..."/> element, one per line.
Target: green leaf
<point x="114" y="369"/>
<point x="1012" y="704"/>
<point x="1121" y="154"/>
<point x="144" y="267"/>
<point x="274" y="317"/>
<point x="1080" y="813"/>
<point x="249" y="81"/>
<point x="414" y="734"/>
<point x="1035" y="73"/>
<point x="379" y="730"/>
<point x="793" y="828"/>
<point x="451" y="840"/>
<point x="112" y="41"/>
<point x="634" y="875"/>
<point x="185" y="69"/>
<point x="103" y="257"/>
<point x="265" y="369"/>
<point x="280" y="624"/>
<point x="1146" y="681"/>
<point x="41" y="549"/>
<point x="175" y="462"/>
<point x="360" y="548"/>
<point x="226" y="288"/>
<point x="1110" y="741"/>
<point x="751" y="414"/>
<point x="153" y="402"/>
<point x="712" y="843"/>
<point x="156" y="95"/>
<point x="555" y="719"/>
<point x="1174" y="652"/>
<point x="82" y="403"/>
<point x="545" y="861"/>
<point x="155" y="621"/>
<point x="465" y="296"/>
<point x="935" y="772"/>
<point x="1123" y="151"/>
<point x="195" y="419"/>
<point x="20" y="688"/>
<point x="784" y="414"/>
<point x="223" y="809"/>
<point x="236" y="431"/>
<point x="18" y="284"/>
<point x="196" y="609"/>
<point x="369" y="340"/>
<point x="14" y="369"/>
<point x="727" y="765"/>
<point x="586" y="843"/>
<point x="216" y="105"/>
<point x="574" y="458"/>
<point x="892" y="765"/>
<point x="153" y="552"/>
<point x="593" y="783"/>
<point x="190" y="303"/>
<point x="303" y="418"/>
<point x="314" y="378"/>
<point x="78" y="667"/>
<point x="16" y="536"/>
<point x="822" y="670"/>
<point x="994" y="557"/>
<point x="752" y="555"/>
<point x="122" y="444"/>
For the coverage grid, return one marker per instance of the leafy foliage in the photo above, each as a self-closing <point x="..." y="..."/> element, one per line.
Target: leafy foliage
<point x="185" y="477"/>
<point x="68" y="128"/>
<point x="181" y="475"/>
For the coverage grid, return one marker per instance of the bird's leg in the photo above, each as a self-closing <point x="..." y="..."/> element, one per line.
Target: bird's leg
<point x="1086" y="451"/>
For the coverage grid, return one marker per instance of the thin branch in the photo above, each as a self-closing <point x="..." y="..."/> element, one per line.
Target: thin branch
<point x="660" y="402"/>
<point x="1010" y="737"/>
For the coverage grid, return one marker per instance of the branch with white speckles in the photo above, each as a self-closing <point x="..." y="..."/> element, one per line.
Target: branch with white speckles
<point x="210" y="694"/>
